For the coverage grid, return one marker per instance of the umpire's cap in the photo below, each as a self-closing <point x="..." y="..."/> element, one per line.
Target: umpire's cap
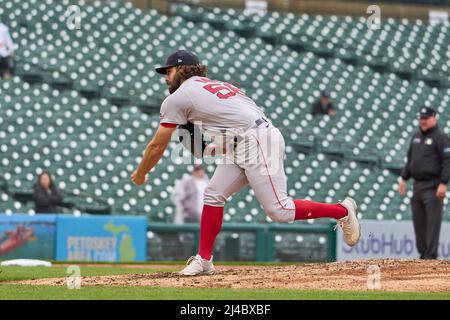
<point x="426" y="112"/>
<point x="178" y="58"/>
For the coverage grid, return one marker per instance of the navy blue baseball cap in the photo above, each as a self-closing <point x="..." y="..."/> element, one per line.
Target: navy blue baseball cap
<point x="426" y="112"/>
<point x="178" y="58"/>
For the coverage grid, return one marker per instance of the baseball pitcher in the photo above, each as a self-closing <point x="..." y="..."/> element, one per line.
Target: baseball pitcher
<point x="252" y="152"/>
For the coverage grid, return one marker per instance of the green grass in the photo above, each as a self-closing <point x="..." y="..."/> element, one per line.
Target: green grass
<point x="151" y="293"/>
<point x="15" y="291"/>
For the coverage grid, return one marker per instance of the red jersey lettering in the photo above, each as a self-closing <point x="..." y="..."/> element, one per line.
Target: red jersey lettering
<point x="222" y="90"/>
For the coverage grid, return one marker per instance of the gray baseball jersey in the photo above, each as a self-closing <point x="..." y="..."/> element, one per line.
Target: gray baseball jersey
<point x="258" y="158"/>
<point x="217" y="105"/>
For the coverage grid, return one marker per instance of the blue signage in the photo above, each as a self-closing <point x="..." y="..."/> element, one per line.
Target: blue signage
<point x="389" y="240"/>
<point x="27" y="237"/>
<point x="108" y="238"/>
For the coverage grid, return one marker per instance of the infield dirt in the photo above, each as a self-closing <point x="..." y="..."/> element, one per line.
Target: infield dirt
<point x="395" y="275"/>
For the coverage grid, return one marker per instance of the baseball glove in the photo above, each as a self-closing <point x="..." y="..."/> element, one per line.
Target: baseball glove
<point x="192" y="139"/>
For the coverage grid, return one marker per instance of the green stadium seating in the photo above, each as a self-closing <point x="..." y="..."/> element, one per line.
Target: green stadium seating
<point x="98" y="81"/>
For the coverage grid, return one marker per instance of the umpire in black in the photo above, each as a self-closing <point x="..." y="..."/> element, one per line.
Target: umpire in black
<point x="429" y="165"/>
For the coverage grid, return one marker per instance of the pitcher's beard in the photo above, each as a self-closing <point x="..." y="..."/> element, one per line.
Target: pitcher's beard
<point x="176" y="83"/>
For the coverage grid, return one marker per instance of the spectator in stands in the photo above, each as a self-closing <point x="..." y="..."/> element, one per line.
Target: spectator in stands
<point x="428" y="162"/>
<point x="188" y="196"/>
<point x="47" y="198"/>
<point x="323" y="106"/>
<point x="6" y="52"/>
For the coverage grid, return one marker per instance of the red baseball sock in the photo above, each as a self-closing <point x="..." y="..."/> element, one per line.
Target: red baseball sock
<point x="305" y="209"/>
<point x="210" y="226"/>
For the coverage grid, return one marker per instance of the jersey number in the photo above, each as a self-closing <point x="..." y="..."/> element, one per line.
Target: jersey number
<point x="222" y="90"/>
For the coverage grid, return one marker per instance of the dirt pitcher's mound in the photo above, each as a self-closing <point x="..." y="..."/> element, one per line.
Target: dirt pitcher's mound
<point x="394" y="275"/>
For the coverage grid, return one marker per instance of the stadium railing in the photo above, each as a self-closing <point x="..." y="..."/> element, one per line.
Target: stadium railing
<point x="246" y="242"/>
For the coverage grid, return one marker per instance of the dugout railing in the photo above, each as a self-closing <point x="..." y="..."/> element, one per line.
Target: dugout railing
<point x="246" y="242"/>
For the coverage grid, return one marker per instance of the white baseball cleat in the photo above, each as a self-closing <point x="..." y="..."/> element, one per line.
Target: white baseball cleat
<point x="350" y="224"/>
<point x="196" y="265"/>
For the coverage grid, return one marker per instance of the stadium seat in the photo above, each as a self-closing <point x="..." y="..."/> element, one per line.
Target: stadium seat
<point x="98" y="81"/>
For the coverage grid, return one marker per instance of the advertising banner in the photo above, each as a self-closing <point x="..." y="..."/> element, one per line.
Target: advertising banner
<point x="389" y="240"/>
<point x="27" y="237"/>
<point x="108" y="238"/>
